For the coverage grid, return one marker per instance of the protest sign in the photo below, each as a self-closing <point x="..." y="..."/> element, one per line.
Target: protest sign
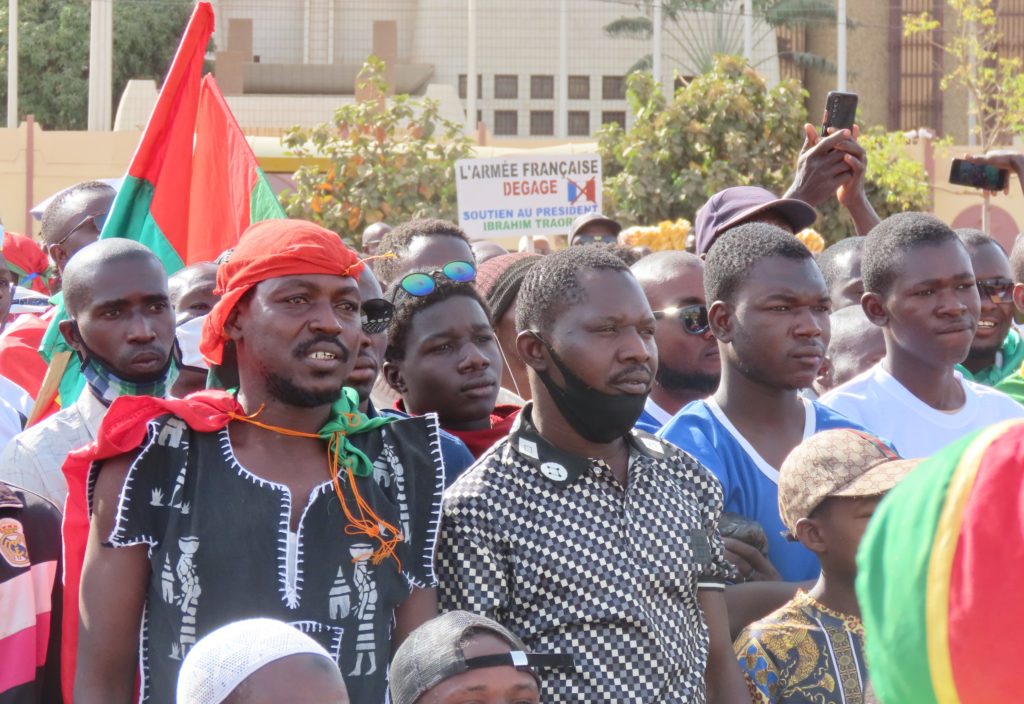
<point x="526" y="195"/>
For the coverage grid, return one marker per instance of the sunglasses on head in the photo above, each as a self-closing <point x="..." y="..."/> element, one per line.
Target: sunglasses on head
<point x="423" y="284"/>
<point x="376" y="314"/>
<point x="694" y="318"/>
<point x="996" y="290"/>
<point x="97" y="220"/>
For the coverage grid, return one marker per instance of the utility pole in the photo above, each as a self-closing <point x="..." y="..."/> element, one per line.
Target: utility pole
<point x="656" y="48"/>
<point x="471" y="96"/>
<point x="12" y="64"/>
<point x="748" y="30"/>
<point x="562" y="118"/>
<point x="101" y="41"/>
<point x="841" y="45"/>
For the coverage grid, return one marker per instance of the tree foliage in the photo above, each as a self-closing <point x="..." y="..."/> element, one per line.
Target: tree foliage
<point x="727" y="128"/>
<point x="390" y="160"/>
<point x="995" y="84"/>
<point x="53" y="48"/>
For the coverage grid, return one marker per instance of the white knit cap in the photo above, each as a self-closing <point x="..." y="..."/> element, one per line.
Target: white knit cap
<point x="219" y="662"/>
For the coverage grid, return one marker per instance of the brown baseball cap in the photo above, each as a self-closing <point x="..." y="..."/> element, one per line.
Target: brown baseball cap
<point x="841" y="462"/>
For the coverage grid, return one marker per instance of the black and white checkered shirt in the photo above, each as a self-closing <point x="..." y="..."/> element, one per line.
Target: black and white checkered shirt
<point x="553" y="547"/>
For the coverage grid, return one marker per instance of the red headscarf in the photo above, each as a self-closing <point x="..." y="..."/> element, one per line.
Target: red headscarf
<point x="28" y="260"/>
<point x="268" y="250"/>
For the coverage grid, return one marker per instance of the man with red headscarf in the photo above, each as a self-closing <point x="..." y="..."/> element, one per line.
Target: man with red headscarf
<point x="279" y="500"/>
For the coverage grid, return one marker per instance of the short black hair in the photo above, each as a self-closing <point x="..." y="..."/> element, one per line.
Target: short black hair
<point x="627" y="254"/>
<point x="737" y="250"/>
<point x="828" y="260"/>
<point x="973" y="239"/>
<point x="80" y="272"/>
<point x="407" y="306"/>
<point x="553" y="284"/>
<point x="1017" y="259"/>
<point x="397" y="242"/>
<point x="889" y="242"/>
<point x="54" y="216"/>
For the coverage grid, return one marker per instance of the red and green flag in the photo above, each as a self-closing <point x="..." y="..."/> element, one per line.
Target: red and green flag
<point x="193" y="185"/>
<point x="940" y="570"/>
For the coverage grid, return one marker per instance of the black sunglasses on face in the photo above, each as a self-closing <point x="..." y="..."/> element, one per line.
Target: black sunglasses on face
<point x="97" y="220"/>
<point x="996" y="290"/>
<point x="376" y="314"/>
<point x="694" y="318"/>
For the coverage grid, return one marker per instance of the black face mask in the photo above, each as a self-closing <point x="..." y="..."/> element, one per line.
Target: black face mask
<point x="594" y="415"/>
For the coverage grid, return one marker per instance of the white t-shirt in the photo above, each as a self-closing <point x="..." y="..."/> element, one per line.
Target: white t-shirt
<point x="887" y="408"/>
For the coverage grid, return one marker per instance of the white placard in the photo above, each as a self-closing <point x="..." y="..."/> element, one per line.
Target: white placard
<point x="526" y="195"/>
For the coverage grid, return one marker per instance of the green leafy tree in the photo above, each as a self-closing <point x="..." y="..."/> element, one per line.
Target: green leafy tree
<point x="53" y="47"/>
<point x="389" y="160"/>
<point x="728" y="128"/>
<point x="693" y="45"/>
<point x="995" y="84"/>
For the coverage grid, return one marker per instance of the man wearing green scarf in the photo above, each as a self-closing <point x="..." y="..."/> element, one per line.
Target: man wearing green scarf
<point x="281" y="500"/>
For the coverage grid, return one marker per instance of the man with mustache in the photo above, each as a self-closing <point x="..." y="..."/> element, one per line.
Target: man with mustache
<point x="377" y="315"/>
<point x="443" y="357"/>
<point x="920" y="288"/>
<point x="280" y="500"/>
<point x="583" y="536"/>
<point x="770" y="313"/>
<point x="121" y="324"/>
<point x="688" y="363"/>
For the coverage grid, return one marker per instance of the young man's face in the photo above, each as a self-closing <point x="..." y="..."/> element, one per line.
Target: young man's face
<point x="491" y="685"/>
<point x="685" y="360"/>
<point x="128" y="321"/>
<point x="608" y="339"/>
<point x="452" y="365"/>
<point x="848" y="290"/>
<point x="370" y="355"/>
<point x="841" y="523"/>
<point x="777" y="328"/>
<point x="991" y="266"/>
<point x="301" y="335"/>
<point x="931" y="311"/>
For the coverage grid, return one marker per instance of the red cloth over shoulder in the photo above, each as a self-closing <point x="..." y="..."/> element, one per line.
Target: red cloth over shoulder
<point x="122" y="431"/>
<point x="19" y="355"/>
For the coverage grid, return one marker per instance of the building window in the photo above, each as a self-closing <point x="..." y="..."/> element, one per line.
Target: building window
<point x="613" y="87"/>
<point x="542" y="122"/>
<point x="579" y="87"/>
<point x="542" y="87"/>
<point x="506" y="122"/>
<point x="479" y="85"/>
<point x="579" y="123"/>
<point x="616" y="116"/>
<point x="506" y="87"/>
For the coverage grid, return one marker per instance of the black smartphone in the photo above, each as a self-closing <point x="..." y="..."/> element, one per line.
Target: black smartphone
<point x="964" y="173"/>
<point x="840" y="111"/>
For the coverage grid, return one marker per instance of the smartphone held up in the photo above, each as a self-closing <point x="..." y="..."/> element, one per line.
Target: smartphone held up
<point x="984" y="176"/>
<point x="840" y="112"/>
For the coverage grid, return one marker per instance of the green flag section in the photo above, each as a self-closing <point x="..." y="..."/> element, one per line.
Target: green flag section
<point x="193" y="185"/>
<point x="939" y="570"/>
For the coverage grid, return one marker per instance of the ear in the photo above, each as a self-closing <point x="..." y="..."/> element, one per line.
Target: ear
<point x="393" y="375"/>
<point x="874" y="309"/>
<point x="824" y="378"/>
<point x="57" y="255"/>
<point x="531" y="349"/>
<point x="69" y="331"/>
<point x="232" y="329"/>
<point x="810" y="535"/>
<point x="721" y="321"/>
<point x="1018" y="302"/>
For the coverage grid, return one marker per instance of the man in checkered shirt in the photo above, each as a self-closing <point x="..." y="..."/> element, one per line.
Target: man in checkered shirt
<point x="577" y="533"/>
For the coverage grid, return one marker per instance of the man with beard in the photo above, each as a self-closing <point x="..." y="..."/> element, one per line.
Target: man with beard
<point x="920" y="288"/>
<point x="688" y="362"/>
<point x="281" y="500"/>
<point x="377" y="314"/>
<point x="121" y="324"/>
<point x="583" y="536"/>
<point x="770" y="313"/>
<point x="997" y="350"/>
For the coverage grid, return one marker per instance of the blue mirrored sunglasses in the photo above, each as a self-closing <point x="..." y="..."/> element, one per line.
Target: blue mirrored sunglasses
<point x="422" y="284"/>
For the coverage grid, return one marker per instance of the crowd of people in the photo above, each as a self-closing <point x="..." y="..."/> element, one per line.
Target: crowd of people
<point x="434" y="471"/>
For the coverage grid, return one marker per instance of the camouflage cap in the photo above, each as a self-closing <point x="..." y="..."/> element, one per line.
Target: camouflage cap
<point x="842" y="462"/>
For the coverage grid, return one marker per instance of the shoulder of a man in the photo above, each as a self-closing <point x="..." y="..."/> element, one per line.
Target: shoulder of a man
<point x="693" y="430"/>
<point x="484" y="479"/>
<point x="996" y="401"/>
<point x="680" y="463"/>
